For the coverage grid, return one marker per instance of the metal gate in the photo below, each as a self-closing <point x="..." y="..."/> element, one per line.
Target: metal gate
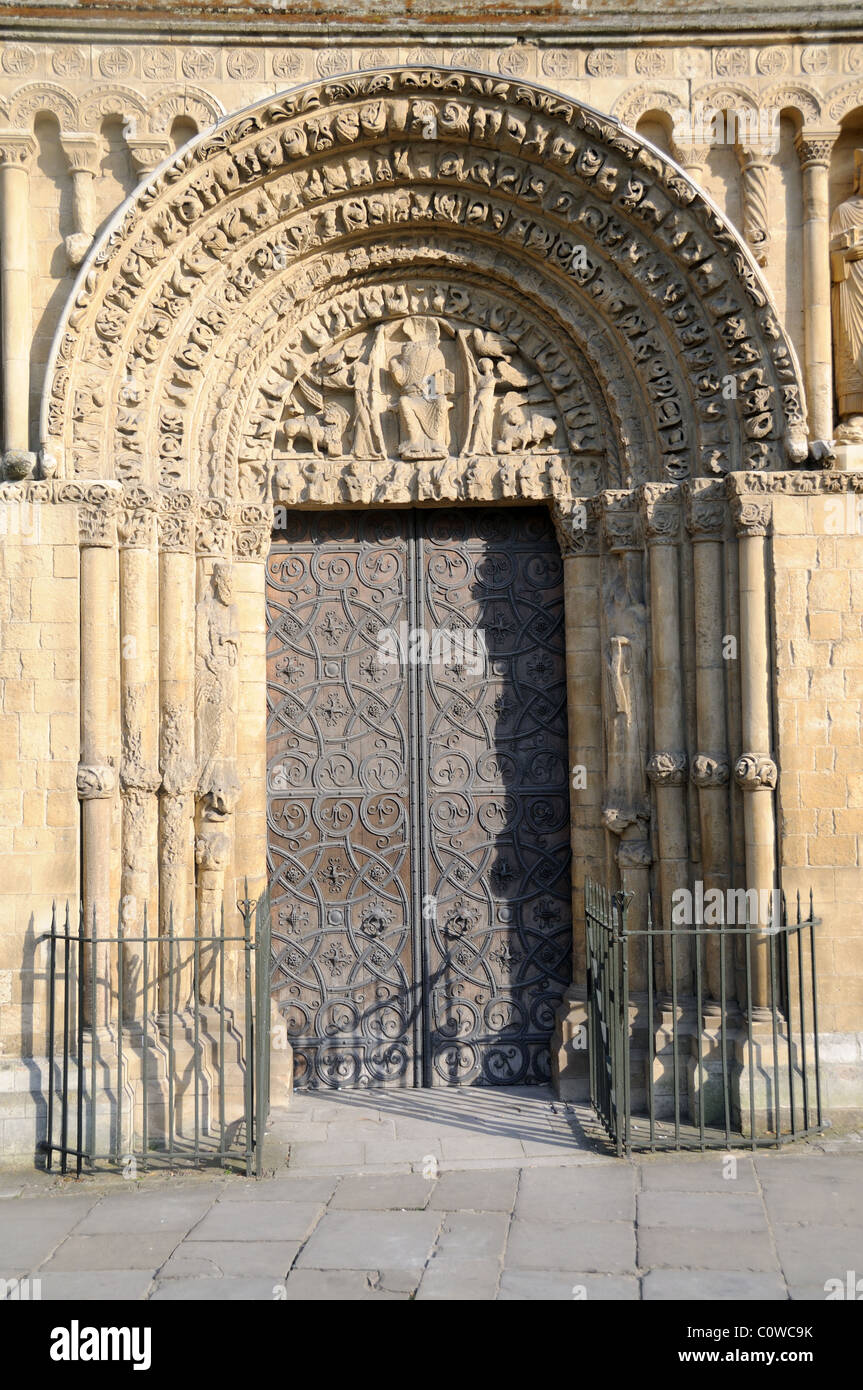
<point x="418" y="800"/>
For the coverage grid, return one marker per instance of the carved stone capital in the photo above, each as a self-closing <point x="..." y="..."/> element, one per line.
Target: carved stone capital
<point x="18" y="465"/>
<point x="94" y="781"/>
<point x="177" y="522"/>
<point x="710" y="770"/>
<point x="618" y="819"/>
<point x="83" y="152"/>
<point x="667" y="769"/>
<point x="17" y="148"/>
<point x="706" y="509"/>
<point x="577" y="526"/>
<point x="136" y="521"/>
<point x="754" y="771"/>
<point x="212" y="849"/>
<point x="253" y="527"/>
<point x="147" y="152"/>
<point x="213" y="528"/>
<point x="97" y="526"/>
<point x="815" y="149"/>
<point x="619" y="521"/>
<point x="659" y="506"/>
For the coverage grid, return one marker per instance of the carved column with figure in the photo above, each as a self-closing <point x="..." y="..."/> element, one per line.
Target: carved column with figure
<point x="846" y="259"/>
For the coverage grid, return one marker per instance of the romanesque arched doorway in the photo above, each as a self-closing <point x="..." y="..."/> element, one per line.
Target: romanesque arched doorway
<point x="245" y="338"/>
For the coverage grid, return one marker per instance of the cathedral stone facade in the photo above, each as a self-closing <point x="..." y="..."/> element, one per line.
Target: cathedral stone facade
<point x="556" y="328"/>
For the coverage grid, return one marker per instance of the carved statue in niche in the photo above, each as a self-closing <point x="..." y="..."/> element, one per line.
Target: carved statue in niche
<point x="424" y="386"/>
<point x="625" y="696"/>
<point x="846" y="258"/>
<point x="216" y="654"/>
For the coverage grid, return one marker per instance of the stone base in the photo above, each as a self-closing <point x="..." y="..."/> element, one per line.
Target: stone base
<point x="849" y="458"/>
<point x="569" y="1055"/>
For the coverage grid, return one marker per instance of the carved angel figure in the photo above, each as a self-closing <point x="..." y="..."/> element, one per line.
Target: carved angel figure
<point x="846" y="257"/>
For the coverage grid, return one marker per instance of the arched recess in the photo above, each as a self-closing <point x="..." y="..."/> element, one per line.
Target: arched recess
<point x="216" y="357"/>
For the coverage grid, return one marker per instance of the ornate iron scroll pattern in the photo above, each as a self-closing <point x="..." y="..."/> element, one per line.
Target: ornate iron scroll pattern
<point x="497" y="830"/>
<point x="346" y="977"/>
<point x="418" y="813"/>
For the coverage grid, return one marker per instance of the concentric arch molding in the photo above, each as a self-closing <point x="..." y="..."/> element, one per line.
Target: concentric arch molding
<point x="501" y="207"/>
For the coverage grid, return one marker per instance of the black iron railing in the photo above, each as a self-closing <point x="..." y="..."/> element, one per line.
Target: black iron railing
<point x="158" y="1042"/>
<point x="701" y="1036"/>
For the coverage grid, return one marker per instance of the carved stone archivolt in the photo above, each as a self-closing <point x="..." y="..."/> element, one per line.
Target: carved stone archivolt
<point x="306" y="216"/>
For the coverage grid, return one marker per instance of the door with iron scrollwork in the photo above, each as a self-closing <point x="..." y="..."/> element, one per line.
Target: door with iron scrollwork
<point x="418" y="805"/>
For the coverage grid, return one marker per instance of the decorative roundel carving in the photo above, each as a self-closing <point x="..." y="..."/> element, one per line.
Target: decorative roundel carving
<point x="116" y="62"/>
<point x="333" y="62"/>
<point x="243" y="65"/>
<point x="199" y="63"/>
<point x="773" y="61"/>
<point x="68" y="61"/>
<point x="693" y="63"/>
<point x="814" y="59"/>
<point x="158" y="63"/>
<point x="289" y="65"/>
<point x="18" y="60"/>
<point x="372" y="58"/>
<point x="475" y="58"/>
<point x="558" y="62"/>
<point x="603" y="62"/>
<point x="338" y="240"/>
<point x="651" y="62"/>
<point x="854" y="58"/>
<point x="731" y="62"/>
<point x="515" y="62"/>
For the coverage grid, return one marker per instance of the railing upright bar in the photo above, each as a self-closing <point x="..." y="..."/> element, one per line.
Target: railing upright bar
<point x="624" y="1024"/>
<point x="52" y="986"/>
<point x="249" y="1029"/>
<point x="120" y="976"/>
<point x="95" y="982"/>
<point x="792" y="1105"/>
<point x="774" y="1012"/>
<point x="699" y="1036"/>
<point x="171" y="1009"/>
<point x="723" y="1035"/>
<point x="800" y="984"/>
<point x="196" y="993"/>
<point x="675" y="1067"/>
<point x="222" y="1028"/>
<point x="749" y="1037"/>
<point x="64" y="1115"/>
<point x="145" y="1044"/>
<point x="815" y="1043"/>
<point x="651" y="1039"/>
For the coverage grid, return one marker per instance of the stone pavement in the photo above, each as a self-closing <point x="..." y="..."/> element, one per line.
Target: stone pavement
<point x="447" y="1195"/>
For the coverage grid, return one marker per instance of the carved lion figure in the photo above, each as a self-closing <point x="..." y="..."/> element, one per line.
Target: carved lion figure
<point x="522" y="430"/>
<point x="324" y="430"/>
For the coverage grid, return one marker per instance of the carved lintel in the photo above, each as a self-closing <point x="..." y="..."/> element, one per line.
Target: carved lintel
<point x="754" y="771"/>
<point x="94" y="781"/>
<point x="710" y="770"/>
<point x="706" y="509"/>
<point x="659" y="505"/>
<point x="667" y="769"/>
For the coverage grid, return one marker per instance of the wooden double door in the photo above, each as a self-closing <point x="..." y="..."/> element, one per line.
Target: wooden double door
<point x="418" y="796"/>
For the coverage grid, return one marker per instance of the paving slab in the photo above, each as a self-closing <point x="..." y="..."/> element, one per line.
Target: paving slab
<point x="605" y="1193"/>
<point x="540" y="1285"/>
<point x="410" y="1152"/>
<point x="143" y="1212"/>
<point x="410" y="1191"/>
<point x="472" y="1235"/>
<point x="269" y="1259"/>
<point x="25" y="1244"/>
<point x="462" y="1279"/>
<point x="680" y="1174"/>
<point x="814" y="1254"/>
<point x="350" y="1286"/>
<point x="699" y="1249"/>
<point x="709" y="1211"/>
<point x="216" y="1291"/>
<point x="111" y="1286"/>
<point x="711" y="1286"/>
<point x="112" y="1252"/>
<point x="391" y="1240"/>
<point x="480" y="1190"/>
<point x="257" y="1221"/>
<point x="340" y="1155"/>
<point x="286" y="1187"/>
<point x="596" y="1247"/>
